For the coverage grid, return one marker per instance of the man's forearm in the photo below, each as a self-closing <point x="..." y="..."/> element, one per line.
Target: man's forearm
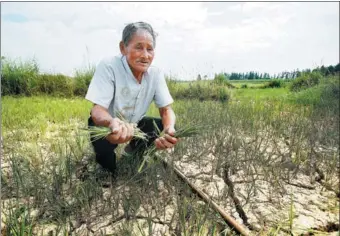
<point x="168" y="117"/>
<point x="100" y="116"/>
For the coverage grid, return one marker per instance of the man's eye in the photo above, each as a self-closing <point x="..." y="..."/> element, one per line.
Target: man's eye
<point x="150" y="49"/>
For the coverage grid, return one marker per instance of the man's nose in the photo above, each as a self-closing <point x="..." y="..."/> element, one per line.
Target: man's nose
<point x="145" y="53"/>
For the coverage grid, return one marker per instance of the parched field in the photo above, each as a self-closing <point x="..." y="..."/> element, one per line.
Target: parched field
<point x="270" y="164"/>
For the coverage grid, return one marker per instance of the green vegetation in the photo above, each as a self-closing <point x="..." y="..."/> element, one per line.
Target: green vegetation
<point x="18" y="77"/>
<point x="199" y="91"/>
<point x="258" y="147"/>
<point x="306" y="80"/>
<point x="246" y="94"/>
<point x="274" y="84"/>
<point x="24" y="78"/>
<point x="252" y="75"/>
<point x="82" y="80"/>
<point x="324" y="96"/>
<point x="221" y="79"/>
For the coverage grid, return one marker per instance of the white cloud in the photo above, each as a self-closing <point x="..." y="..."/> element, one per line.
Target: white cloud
<point x="256" y="6"/>
<point x="193" y="37"/>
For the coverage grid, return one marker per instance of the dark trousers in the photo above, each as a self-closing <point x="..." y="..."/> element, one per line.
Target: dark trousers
<point x="105" y="151"/>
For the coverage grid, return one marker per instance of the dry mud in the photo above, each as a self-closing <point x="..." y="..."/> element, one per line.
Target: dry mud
<point x="300" y="204"/>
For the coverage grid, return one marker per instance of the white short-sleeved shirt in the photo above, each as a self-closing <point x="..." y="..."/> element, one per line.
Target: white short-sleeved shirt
<point x="132" y="99"/>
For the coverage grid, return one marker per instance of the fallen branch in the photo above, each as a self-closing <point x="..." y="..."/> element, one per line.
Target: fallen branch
<point x="228" y="219"/>
<point x="236" y="201"/>
<point x="299" y="185"/>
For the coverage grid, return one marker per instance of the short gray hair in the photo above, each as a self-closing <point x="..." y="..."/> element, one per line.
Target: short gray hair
<point x="132" y="28"/>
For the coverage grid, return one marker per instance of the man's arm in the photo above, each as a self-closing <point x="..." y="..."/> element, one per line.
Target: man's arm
<point x="168" y="118"/>
<point x="101" y="116"/>
<point x="121" y="132"/>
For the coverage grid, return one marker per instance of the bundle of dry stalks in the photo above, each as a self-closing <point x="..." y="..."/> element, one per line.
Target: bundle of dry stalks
<point x="149" y="155"/>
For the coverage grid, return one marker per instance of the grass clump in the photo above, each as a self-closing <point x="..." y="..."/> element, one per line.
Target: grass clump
<point x="17" y="77"/>
<point x="24" y="79"/>
<point x="55" y="85"/>
<point x="82" y="80"/>
<point x="306" y="80"/>
<point x="273" y="84"/>
<point x="18" y="222"/>
<point x="322" y="97"/>
<point x="221" y="79"/>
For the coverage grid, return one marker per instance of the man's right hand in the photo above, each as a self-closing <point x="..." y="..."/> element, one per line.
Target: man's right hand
<point x="121" y="132"/>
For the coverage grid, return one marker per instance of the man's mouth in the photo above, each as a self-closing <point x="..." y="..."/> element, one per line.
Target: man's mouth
<point x="143" y="62"/>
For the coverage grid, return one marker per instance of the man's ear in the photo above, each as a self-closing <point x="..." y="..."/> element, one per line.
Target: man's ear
<point x="122" y="47"/>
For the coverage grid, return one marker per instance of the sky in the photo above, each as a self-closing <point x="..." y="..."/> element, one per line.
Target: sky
<point x="193" y="37"/>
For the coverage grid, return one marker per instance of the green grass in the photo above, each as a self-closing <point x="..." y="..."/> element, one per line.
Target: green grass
<point x="37" y="112"/>
<point x="255" y="81"/>
<point x="249" y="83"/>
<point x="43" y="146"/>
<point x="259" y="94"/>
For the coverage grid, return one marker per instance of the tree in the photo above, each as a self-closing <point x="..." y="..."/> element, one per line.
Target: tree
<point x="337" y="68"/>
<point x="234" y="76"/>
<point x="323" y="70"/>
<point x="331" y="69"/>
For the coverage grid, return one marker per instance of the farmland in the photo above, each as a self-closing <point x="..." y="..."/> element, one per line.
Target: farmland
<point x="267" y="156"/>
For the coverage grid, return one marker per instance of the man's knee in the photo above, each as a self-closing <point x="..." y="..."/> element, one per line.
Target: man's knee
<point x="147" y="125"/>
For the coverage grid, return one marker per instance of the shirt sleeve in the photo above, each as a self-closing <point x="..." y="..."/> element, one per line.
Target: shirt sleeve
<point x="101" y="87"/>
<point x="162" y="96"/>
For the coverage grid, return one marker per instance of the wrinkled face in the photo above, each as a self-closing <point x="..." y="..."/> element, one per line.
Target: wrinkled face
<point x="140" y="51"/>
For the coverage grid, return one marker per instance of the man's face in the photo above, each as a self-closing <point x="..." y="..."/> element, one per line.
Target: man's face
<point x="140" y="51"/>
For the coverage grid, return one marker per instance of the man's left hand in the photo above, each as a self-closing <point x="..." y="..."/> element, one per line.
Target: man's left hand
<point x="167" y="140"/>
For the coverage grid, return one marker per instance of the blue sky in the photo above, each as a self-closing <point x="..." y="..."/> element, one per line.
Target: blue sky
<point x="17" y="18"/>
<point x="193" y="37"/>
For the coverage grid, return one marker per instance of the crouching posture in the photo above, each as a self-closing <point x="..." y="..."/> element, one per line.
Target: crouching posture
<point x="125" y="86"/>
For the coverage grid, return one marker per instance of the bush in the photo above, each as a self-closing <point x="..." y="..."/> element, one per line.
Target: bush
<point x="325" y="95"/>
<point x="23" y="78"/>
<point x="274" y="84"/>
<point x="221" y="79"/>
<point x="56" y="85"/>
<point x="18" y="78"/>
<point x="244" y="86"/>
<point x="306" y="80"/>
<point x="223" y="95"/>
<point x="82" y="80"/>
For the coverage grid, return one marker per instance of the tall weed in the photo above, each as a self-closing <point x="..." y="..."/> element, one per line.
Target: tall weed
<point x="82" y="80"/>
<point x="17" y="77"/>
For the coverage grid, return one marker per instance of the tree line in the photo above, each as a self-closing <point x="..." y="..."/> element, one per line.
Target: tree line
<point x="252" y="75"/>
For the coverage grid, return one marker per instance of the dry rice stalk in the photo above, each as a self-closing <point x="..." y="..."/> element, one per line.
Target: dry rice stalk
<point x="101" y="132"/>
<point x="183" y="132"/>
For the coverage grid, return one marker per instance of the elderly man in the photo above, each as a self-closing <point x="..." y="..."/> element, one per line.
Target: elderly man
<point x="127" y="85"/>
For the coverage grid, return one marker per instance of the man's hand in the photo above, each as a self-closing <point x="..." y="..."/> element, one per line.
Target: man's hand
<point x="121" y="132"/>
<point x="168" y="140"/>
